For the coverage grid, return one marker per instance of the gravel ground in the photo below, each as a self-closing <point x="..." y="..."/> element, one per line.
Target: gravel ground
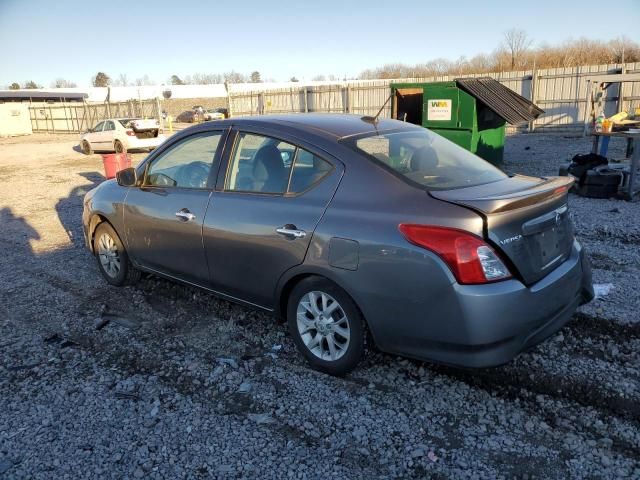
<point x="164" y="381"/>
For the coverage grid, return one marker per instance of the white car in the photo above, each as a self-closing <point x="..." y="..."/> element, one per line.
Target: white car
<point x="214" y="114"/>
<point x="122" y="134"/>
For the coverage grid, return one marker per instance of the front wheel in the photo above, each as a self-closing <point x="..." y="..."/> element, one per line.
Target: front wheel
<point x="326" y="325"/>
<point x="113" y="260"/>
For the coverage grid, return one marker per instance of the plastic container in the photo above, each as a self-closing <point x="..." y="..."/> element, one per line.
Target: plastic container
<point x="114" y="162"/>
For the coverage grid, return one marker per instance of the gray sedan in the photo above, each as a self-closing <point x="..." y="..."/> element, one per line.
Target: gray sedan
<point x="354" y="231"/>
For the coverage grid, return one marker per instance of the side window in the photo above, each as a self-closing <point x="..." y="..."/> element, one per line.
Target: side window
<point x="187" y="164"/>
<point x="260" y="164"/>
<point x="109" y="126"/>
<point x="308" y="170"/>
<point x="98" y="127"/>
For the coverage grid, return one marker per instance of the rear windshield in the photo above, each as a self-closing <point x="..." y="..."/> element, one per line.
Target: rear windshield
<point x="126" y="122"/>
<point x="427" y="159"/>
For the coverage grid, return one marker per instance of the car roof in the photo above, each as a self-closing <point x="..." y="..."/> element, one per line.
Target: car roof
<point x="335" y="126"/>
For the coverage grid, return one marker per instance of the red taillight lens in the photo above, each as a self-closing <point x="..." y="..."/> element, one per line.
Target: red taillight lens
<point x="470" y="259"/>
<point x="131" y="133"/>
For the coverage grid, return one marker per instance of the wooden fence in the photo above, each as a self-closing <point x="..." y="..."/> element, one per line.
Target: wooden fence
<point x="560" y="92"/>
<point x="77" y="117"/>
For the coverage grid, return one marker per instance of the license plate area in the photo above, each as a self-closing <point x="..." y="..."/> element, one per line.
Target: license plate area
<point x="550" y="237"/>
<point x="550" y="247"/>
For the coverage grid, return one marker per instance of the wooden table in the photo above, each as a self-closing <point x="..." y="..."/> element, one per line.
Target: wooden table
<point x="629" y="189"/>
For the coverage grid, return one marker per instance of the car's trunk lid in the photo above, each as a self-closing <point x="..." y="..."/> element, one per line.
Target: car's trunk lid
<point x="145" y="128"/>
<point x="526" y="219"/>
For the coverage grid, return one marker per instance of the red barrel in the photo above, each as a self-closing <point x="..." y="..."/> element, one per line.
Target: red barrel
<point x="114" y="162"/>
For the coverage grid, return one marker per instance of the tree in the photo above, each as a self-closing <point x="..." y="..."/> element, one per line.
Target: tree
<point x="62" y="83"/>
<point x="293" y="79"/>
<point x="255" y="77"/>
<point x="175" y="80"/>
<point x="319" y="78"/>
<point x="516" y="42"/>
<point x="234" y="77"/>
<point x="203" y="79"/>
<point x="14" y="86"/>
<point x="101" y="80"/>
<point x="122" y="81"/>
<point x="31" y="84"/>
<point x="144" y="80"/>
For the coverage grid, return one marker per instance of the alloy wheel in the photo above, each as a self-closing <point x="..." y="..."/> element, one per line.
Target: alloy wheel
<point x="109" y="255"/>
<point x="323" y="325"/>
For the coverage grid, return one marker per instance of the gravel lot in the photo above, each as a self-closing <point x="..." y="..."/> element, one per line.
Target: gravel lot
<point x="164" y="381"/>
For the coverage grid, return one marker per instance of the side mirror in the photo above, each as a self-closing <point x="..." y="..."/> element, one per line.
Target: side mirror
<point x="127" y="177"/>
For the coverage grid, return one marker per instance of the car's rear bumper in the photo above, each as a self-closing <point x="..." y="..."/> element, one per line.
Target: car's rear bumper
<point x="134" y="143"/>
<point x="492" y="323"/>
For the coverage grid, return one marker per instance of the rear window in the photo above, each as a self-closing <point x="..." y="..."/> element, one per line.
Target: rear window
<point x="427" y="159"/>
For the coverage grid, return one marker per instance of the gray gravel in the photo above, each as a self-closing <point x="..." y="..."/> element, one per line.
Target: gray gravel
<point x="165" y="381"/>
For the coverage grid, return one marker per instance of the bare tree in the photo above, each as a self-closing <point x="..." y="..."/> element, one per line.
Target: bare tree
<point x="319" y="78"/>
<point x="144" y="80"/>
<point x="122" y="81"/>
<point x="203" y="79"/>
<point x="234" y="77"/>
<point x="517" y="42"/>
<point x="62" y="83"/>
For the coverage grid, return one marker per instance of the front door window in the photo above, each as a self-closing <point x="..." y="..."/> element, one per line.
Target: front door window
<point x="188" y="164"/>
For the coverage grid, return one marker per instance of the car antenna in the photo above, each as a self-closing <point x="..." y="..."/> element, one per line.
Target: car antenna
<point x="374" y="120"/>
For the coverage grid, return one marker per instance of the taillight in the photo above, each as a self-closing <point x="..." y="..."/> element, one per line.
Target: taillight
<point x="131" y="133"/>
<point x="470" y="259"/>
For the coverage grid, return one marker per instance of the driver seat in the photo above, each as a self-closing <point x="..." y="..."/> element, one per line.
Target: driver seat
<point x="269" y="172"/>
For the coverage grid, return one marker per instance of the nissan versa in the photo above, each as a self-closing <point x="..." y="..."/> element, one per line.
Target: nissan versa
<point x="346" y="226"/>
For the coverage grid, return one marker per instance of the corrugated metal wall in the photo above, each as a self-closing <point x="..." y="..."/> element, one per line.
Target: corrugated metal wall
<point x="561" y="92"/>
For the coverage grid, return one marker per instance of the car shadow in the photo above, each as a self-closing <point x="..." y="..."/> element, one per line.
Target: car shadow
<point x="69" y="209"/>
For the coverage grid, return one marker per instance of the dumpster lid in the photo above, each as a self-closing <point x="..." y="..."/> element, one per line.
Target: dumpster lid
<point x="505" y="102"/>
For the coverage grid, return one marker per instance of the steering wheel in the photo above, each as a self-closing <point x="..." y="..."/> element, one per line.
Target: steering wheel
<point x="193" y="175"/>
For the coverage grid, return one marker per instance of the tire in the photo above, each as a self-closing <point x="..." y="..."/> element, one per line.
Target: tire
<point x="118" y="146"/>
<point x="112" y="257"/>
<point x="86" y="148"/>
<point x="314" y="333"/>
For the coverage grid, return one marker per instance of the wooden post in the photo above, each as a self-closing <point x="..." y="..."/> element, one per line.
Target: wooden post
<point x="53" y="125"/>
<point x="621" y="90"/>
<point x="306" y="106"/>
<point x="534" y="81"/>
<point x="587" y="108"/>
<point x="159" y="112"/>
<point x="347" y="106"/>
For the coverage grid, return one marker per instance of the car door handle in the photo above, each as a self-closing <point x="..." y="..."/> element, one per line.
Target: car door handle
<point x="291" y="231"/>
<point x="185" y="215"/>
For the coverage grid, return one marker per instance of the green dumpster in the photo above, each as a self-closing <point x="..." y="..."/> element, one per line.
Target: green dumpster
<point x="471" y="112"/>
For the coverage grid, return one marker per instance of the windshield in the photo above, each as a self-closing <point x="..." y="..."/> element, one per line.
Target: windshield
<point x="426" y="158"/>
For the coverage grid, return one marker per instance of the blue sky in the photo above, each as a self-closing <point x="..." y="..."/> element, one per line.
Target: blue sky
<point x="42" y="40"/>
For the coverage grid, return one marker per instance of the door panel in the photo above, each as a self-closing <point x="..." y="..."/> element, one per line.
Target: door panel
<point x="163" y="218"/>
<point x="245" y="253"/>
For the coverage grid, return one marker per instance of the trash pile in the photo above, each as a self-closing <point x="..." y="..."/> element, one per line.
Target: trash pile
<point x="596" y="176"/>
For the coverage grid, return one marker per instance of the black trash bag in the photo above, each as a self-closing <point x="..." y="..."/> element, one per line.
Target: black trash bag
<point x="581" y="164"/>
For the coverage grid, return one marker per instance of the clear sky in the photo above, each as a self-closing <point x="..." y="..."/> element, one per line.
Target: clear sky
<point x="45" y="40"/>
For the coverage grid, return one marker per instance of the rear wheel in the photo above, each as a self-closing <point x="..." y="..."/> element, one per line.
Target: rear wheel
<point x="113" y="260"/>
<point x="118" y="146"/>
<point x="326" y="325"/>
<point x="86" y="148"/>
